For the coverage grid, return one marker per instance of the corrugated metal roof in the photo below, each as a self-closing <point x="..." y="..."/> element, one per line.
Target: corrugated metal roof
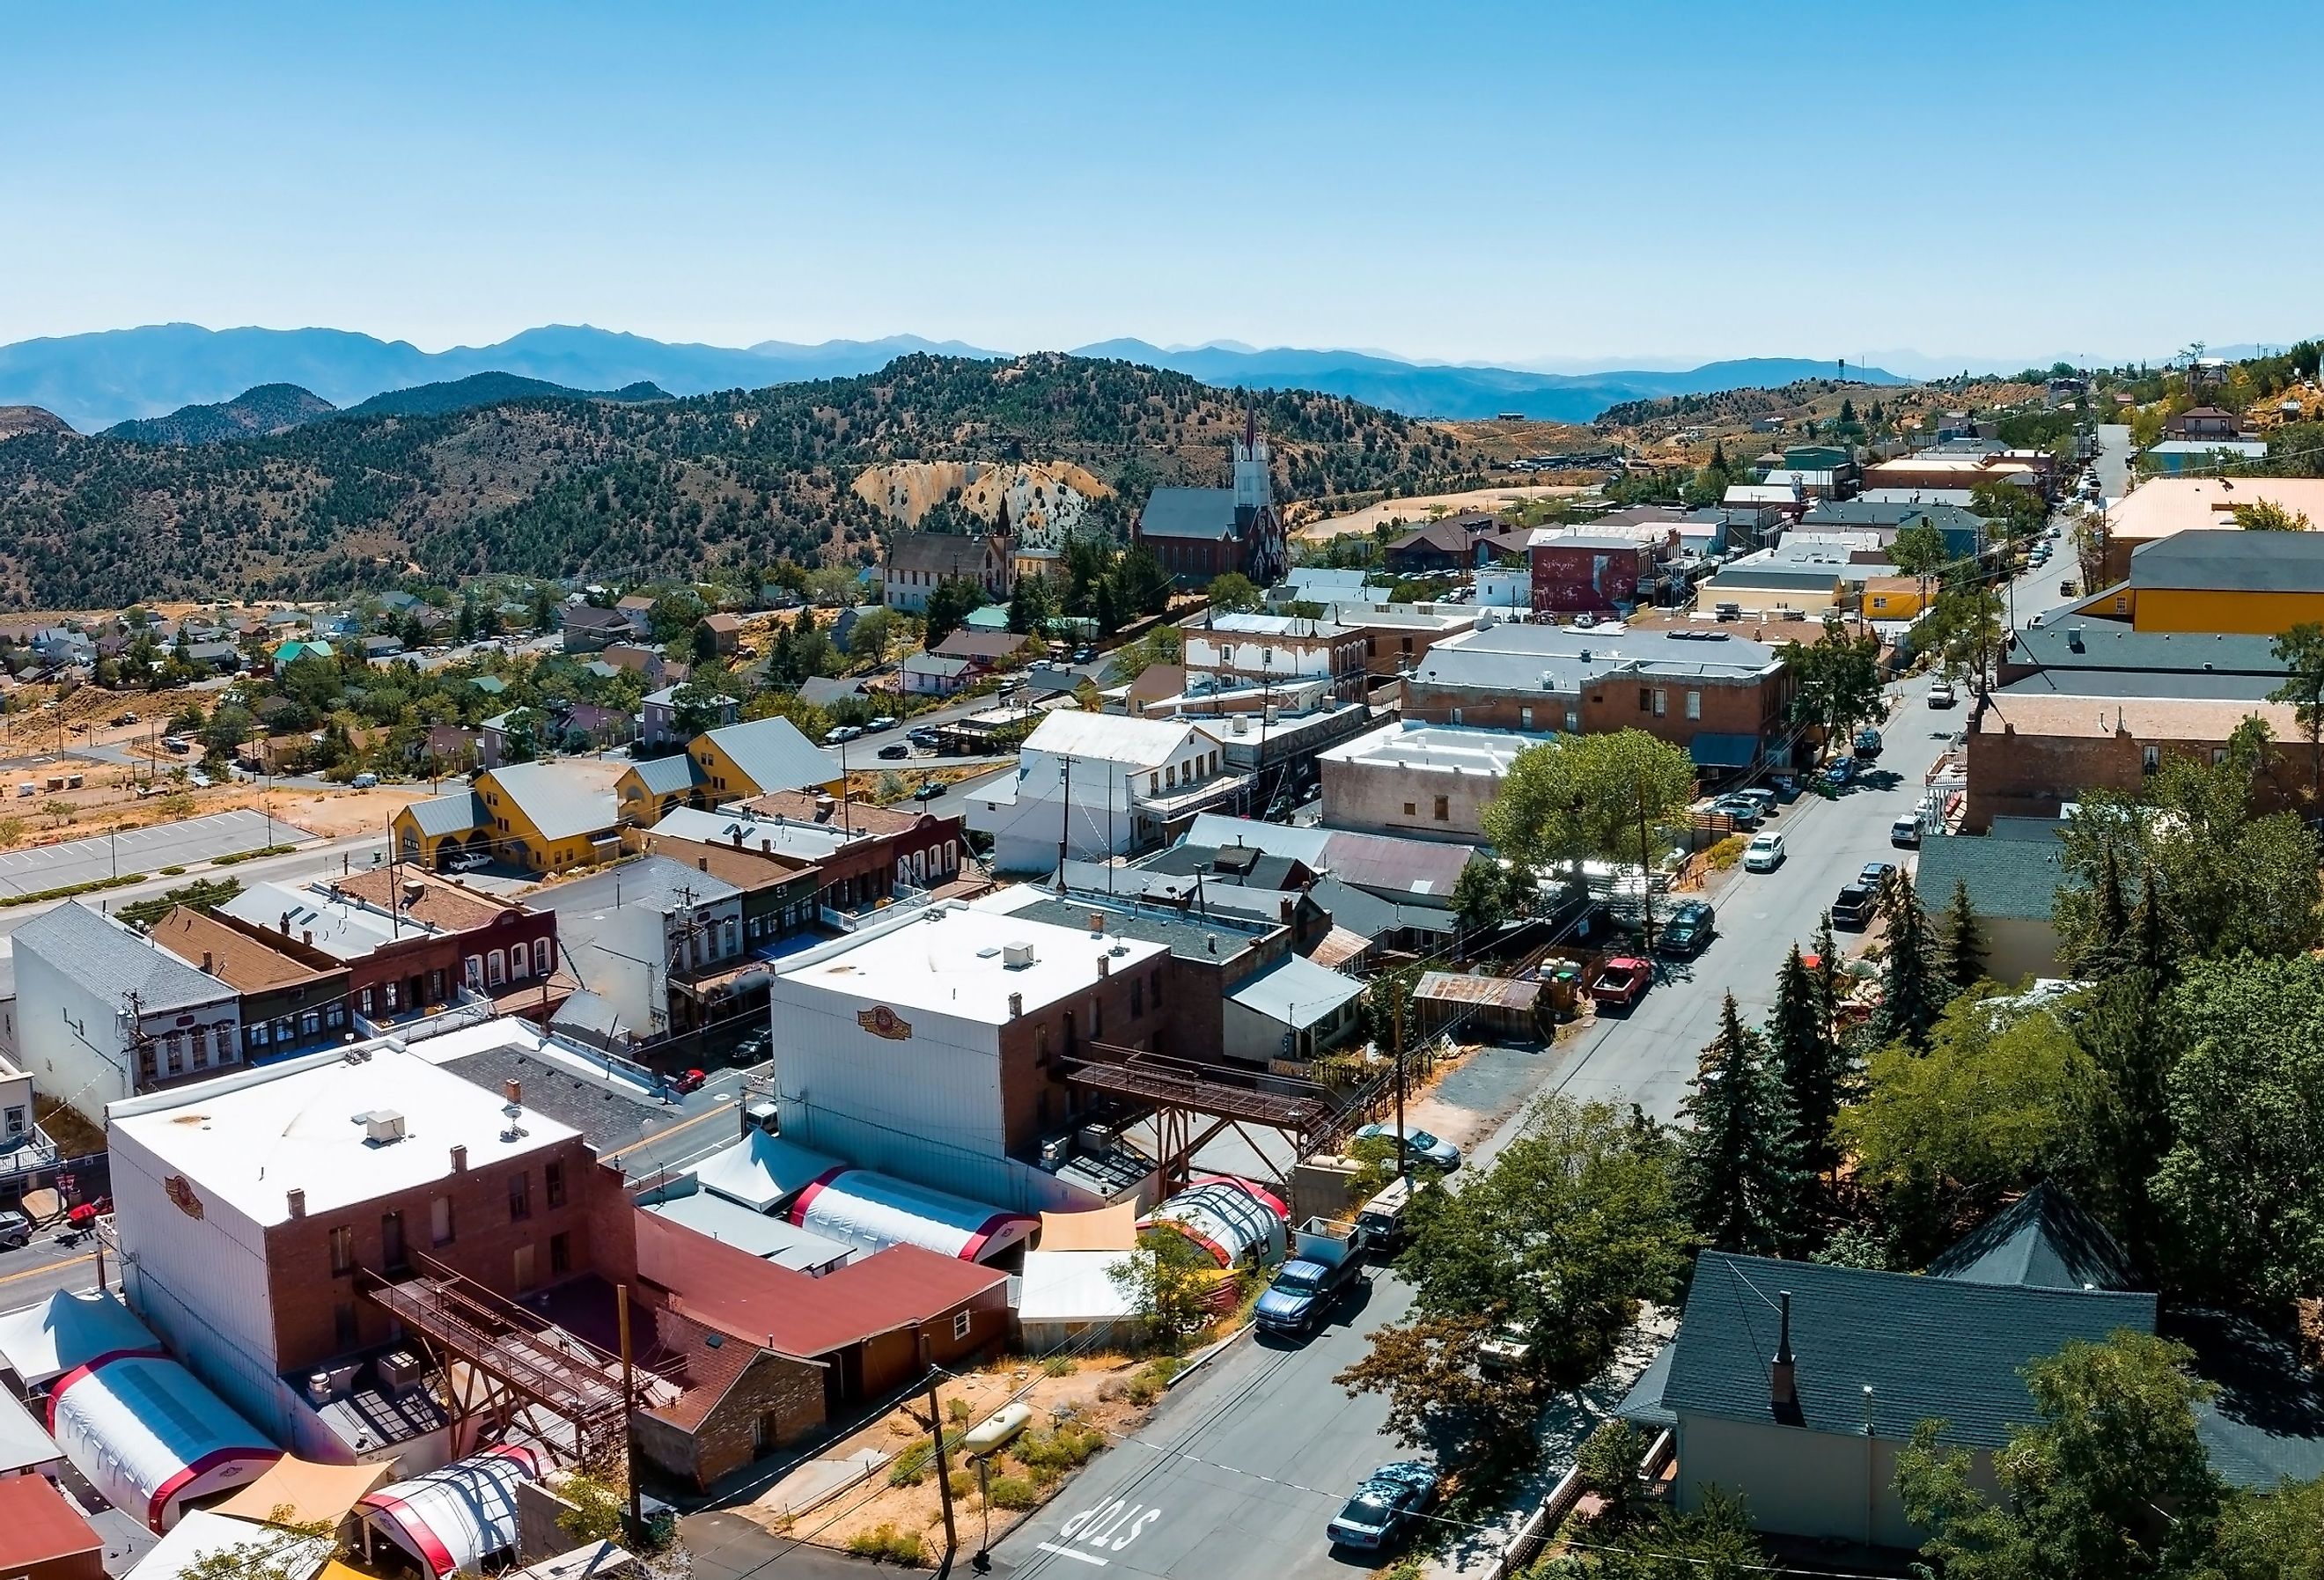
<point x="1508" y="993"/>
<point x="1188" y="512"/>
<point x="558" y="804"/>
<point x="110" y="961"/>
<point x="775" y="756"/>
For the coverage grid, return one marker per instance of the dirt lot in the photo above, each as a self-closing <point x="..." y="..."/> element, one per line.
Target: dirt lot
<point x="1425" y="507"/>
<point x="1100" y="1398"/>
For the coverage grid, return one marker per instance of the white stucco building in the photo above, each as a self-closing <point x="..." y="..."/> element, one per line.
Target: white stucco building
<point x="1089" y="785"/>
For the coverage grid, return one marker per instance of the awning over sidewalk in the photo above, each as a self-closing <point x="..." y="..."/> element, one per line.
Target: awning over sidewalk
<point x="1711" y="749"/>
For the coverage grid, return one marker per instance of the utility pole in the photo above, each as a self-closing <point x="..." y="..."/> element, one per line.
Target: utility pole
<point x="628" y="1403"/>
<point x="1645" y="874"/>
<point x="1396" y="1051"/>
<point x="1066" y="822"/>
<point x="944" y="1475"/>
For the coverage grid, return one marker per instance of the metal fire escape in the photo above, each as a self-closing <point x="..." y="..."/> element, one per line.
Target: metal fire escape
<point x="510" y="1366"/>
<point x="1193" y="1102"/>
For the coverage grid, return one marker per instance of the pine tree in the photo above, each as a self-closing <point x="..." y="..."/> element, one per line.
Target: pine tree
<point x="1826" y="977"/>
<point x="1807" y="1059"/>
<point x="1964" y="944"/>
<point x="2097" y="953"/>
<point x="1740" y="1178"/>
<point x="1911" y="991"/>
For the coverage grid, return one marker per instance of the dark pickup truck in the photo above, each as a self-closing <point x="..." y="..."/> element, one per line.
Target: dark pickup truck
<point x="1853" y="908"/>
<point x="1322" y="1267"/>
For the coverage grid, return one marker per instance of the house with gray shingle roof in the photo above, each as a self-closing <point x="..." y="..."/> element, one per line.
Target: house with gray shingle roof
<point x="104" y="1013"/>
<point x="2013" y="875"/>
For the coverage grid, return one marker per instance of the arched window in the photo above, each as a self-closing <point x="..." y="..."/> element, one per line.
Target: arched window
<point x="520" y="966"/>
<point x="476" y="968"/>
<point x="540" y="956"/>
<point x="495" y="968"/>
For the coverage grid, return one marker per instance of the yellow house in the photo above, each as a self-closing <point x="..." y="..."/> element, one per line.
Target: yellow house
<point x="758" y="759"/>
<point x="1896" y="597"/>
<point x="536" y="816"/>
<point x="2234" y="582"/>
<point x="648" y="792"/>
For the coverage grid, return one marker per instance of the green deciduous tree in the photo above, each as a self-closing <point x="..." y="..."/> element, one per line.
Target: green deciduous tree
<point x="2264" y="515"/>
<point x="1033" y="603"/>
<point x="2228" y="881"/>
<point x="1588" y="798"/>
<point x="1559" y="1242"/>
<point x="1836" y="680"/>
<point x="1941" y="1137"/>
<point x="2242" y="1186"/>
<point x="1740" y="1178"/>
<point x="1167" y="1281"/>
<point x="1234" y="594"/>
<point x="1714" y="1541"/>
<point x="1962" y="959"/>
<point x="2301" y="650"/>
<point x="2109" y="1480"/>
<point x="1488" y="894"/>
<point x="1964" y="630"/>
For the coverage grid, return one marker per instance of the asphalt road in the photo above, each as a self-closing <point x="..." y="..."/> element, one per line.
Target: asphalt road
<point x="1236" y="1477"/>
<point x="330" y="855"/>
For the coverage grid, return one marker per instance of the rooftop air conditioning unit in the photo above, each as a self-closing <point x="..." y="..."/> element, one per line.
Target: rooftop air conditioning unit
<point x="383" y="1126"/>
<point x="398" y="1372"/>
<point x="1016" y="956"/>
<point x="1055" y="1151"/>
<point x="319" y="1387"/>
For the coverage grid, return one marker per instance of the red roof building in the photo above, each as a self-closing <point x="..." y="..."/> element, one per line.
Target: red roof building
<point x="44" y="1537"/>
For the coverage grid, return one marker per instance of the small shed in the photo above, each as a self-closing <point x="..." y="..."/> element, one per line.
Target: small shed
<point x="1484" y="1008"/>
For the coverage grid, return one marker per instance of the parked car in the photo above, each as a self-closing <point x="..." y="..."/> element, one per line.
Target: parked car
<point x="1904" y="833"/>
<point x="929" y="792"/>
<point x="1740" y="811"/>
<point x="363" y="781"/>
<point x="1322" y="1267"/>
<point x="1765" y="853"/>
<point x="1867" y="743"/>
<point x="921" y="736"/>
<point x="1380" y="1222"/>
<point x="1852" y="908"/>
<point x="2066" y="588"/>
<point x="840" y="734"/>
<point x="1376" y="1512"/>
<point x="885" y="722"/>
<point x="1876" y="875"/>
<point x="1083" y="654"/>
<point x="1840" y="772"/>
<point x="1767" y="800"/>
<point x="1688" y="928"/>
<point x="1941" y="693"/>
<point x="469" y="861"/>
<point x="895" y="751"/>
<point x="120" y="719"/>
<point x="1620" y="982"/>
<point x="16" y="1230"/>
<point x="686" y="1081"/>
<point x="1419" y="1146"/>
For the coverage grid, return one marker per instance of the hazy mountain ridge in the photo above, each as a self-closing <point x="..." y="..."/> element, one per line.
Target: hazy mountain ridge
<point x="260" y="410"/>
<point x="97" y="381"/>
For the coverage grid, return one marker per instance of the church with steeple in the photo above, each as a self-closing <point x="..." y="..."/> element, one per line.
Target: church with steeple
<point x="1201" y="533"/>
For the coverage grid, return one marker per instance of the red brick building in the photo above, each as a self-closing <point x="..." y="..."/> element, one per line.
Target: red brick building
<point x="1589" y="573"/>
<point x="885" y="845"/>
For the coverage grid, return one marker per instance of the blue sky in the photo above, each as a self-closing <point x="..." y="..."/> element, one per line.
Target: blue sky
<point x="1522" y="183"/>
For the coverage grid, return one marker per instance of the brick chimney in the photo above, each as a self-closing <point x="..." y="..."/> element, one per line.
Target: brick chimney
<point x="460" y="1159"/>
<point x="1782" y="1374"/>
<point x="297" y="1199"/>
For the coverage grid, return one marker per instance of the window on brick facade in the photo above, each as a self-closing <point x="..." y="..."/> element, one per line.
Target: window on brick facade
<point x="520" y="964"/>
<point x="390" y="1240"/>
<point x="560" y="1255"/>
<point x="1097" y="1016"/>
<point x="1412" y="808"/>
<point x="1646" y="699"/>
<point x="1662" y="702"/>
<point x="342" y="1250"/>
<point x="1695" y="705"/>
<point x="520" y="1194"/>
<point x="1137" y="997"/>
<point x="1572" y="721"/>
<point x="1154" y="987"/>
<point x="1525" y="719"/>
<point x="342" y="1325"/>
<point x="439" y="1221"/>
<point x="552" y="1178"/>
<point x="495" y="968"/>
<point x="540" y="956"/>
<point x="1444" y="808"/>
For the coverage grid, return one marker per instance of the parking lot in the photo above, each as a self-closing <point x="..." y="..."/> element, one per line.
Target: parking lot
<point x="141" y="850"/>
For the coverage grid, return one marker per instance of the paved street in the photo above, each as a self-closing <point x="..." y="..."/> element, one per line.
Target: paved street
<point x="1236" y="1478"/>
<point x="314" y="860"/>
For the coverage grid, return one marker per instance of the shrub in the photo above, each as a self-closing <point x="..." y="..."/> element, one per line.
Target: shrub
<point x="173" y="872"/>
<point x="963" y="1483"/>
<point x="1064" y="1449"/>
<point x="1014" y="1491"/>
<point x="1726" y="853"/>
<point x="1060" y="1366"/>
<point x="911" y="1467"/>
<point x="956" y="1409"/>
<point x="886" y="1545"/>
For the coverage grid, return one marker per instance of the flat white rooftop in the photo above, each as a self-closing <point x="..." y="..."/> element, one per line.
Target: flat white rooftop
<point x="957" y="962"/>
<point x="1435" y="749"/>
<point x="341" y="929"/>
<point x="249" y="1138"/>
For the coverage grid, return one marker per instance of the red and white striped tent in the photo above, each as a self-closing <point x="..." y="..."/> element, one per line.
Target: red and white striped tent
<point x="455" y="1517"/>
<point x="150" y="1437"/>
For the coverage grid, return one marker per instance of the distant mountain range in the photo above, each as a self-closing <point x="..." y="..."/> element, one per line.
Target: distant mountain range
<point x="277" y="407"/>
<point x="97" y="381"/>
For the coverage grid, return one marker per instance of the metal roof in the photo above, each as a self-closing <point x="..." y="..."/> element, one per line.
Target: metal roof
<point x="774" y="756"/>
<point x="2232" y="562"/>
<point x="665" y="776"/>
<point x="1297" y="991"/>
<point x="110" y="961"/>
<point x="559" y="805"/>
<point x="452" y="813"/>
<point x="1458" y="987"/>
<point x="1188" y="512"/>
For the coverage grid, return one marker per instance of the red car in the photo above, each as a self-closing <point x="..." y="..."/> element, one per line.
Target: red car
<point x="689" y="1081"/>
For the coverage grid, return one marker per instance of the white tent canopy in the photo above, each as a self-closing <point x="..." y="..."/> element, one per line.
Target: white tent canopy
<point x="872" y="1212"/>
<point x="760" y="1169"/>
<point x="202" y="1536"/>
<point x="42" y="1342"/>
<point x="453" y="1518"/>
<point x="1065" y="1294"/>
<point x="149" y="1435"/>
